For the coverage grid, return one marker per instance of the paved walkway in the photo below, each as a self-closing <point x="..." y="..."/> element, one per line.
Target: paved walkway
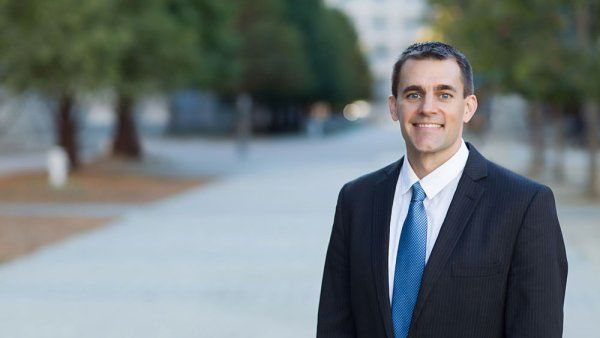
<point x="241" y="257"/>
<point x="69" y="209"/>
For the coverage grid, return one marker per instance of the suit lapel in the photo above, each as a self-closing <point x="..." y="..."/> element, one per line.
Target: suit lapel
<point x="464" y="201"/>
<point x="382" y="207"/>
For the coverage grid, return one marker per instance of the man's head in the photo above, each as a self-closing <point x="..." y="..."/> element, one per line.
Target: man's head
<point x="432" y="96"/>
<point x="436" y="51"/>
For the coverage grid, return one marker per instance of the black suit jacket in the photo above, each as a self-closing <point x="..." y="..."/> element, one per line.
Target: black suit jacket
<point x="498" y="267"/>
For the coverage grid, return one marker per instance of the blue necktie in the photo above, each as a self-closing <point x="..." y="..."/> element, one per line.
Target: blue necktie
<point x="410" y="263"/>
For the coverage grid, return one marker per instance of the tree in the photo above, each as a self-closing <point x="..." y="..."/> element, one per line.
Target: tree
<point x="271" y="53"/>
<point x="273" y="67"/>
<point x="58" y="48"/>
<point x="332" y="47"/>
<point x="216" y="42"/>
<point x="346" y="77"/>
<point x="586" y="76"/>
<point x="157" y="53"/>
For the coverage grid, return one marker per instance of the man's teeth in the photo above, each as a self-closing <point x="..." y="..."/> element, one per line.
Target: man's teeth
<point x="428" y="125"/>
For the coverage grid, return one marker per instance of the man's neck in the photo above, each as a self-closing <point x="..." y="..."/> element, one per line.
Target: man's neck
<point x="424" y="163"/>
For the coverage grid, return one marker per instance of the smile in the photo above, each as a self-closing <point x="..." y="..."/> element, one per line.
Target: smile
<point x="428" y="125"/>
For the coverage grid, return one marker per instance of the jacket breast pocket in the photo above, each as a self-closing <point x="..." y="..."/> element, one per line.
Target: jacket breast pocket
<point x="469" y="270"/>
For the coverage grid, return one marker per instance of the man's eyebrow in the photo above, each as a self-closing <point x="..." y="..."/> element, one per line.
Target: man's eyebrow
<point x="445" y="87"/>
<point x="413" y="88"/>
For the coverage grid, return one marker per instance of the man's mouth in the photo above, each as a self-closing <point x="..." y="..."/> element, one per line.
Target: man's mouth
<point x="428" y="125"/>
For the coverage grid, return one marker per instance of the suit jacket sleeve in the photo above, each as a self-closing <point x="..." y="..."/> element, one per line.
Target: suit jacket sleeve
<point x="538" y="273"/>
<point x="335" y="318"/>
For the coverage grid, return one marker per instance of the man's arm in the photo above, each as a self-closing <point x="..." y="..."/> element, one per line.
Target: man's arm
<point x="538" y="273"/>
<point x="335" y="317"/>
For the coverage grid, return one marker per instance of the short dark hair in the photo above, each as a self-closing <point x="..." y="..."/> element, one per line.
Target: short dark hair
<point x="439" y="51"/>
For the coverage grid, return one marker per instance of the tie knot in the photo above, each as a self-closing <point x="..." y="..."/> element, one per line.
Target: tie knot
<point x="418" y="194"/>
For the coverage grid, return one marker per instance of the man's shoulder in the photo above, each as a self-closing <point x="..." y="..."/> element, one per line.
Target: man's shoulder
<point x="513" y="190"/>
<point x="510" y="180"/>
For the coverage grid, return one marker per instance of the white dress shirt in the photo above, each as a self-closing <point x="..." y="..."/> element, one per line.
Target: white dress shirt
<point x="439" y="186"/>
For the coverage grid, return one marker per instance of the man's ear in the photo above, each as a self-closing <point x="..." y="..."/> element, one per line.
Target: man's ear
<point x="470" y="108"/>
<point x="393" y="104"/>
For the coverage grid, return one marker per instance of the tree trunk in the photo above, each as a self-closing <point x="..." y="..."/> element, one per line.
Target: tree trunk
<point x="538" y="147"/>
<point x="66" y="130"/>
<point x="583" y="31"/>
<point x="559" y="142"/>
<point x="590" y="114"/>
<point x="126" y="142"/>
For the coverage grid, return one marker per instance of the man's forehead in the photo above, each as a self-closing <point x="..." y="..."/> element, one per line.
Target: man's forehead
<point x="424" y="71"/>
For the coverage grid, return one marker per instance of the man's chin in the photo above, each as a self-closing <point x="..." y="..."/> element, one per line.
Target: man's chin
<point x="427" y="148"/>
<point x="437" y="149"/>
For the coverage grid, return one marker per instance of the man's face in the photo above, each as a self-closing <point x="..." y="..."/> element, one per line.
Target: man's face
<point x="431" y="107"/>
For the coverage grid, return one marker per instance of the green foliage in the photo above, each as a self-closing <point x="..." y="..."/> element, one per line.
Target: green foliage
<point x="332" y="49"/>
<point x="344" y="74"/>
<point x="56" y="46"/>
<point x="283" y="51"/>
<point x="585" y="43"/>
<point x="526" y="46"/>
<point x="158" y="52"/>
<point x="131" y="46"/>
<point x="272" y="56"/>
<point x="216" y="42"/>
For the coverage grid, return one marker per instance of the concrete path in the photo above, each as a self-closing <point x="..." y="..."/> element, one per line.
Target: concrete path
<point x="241" y="257"/>
<point x="69" y="209"/>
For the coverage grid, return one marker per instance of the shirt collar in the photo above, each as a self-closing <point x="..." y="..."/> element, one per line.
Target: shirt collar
<point x="438" y="179"/>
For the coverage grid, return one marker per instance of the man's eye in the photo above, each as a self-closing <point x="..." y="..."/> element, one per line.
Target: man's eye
<point x="445" y="96"/>
<point x="413" y="96"/>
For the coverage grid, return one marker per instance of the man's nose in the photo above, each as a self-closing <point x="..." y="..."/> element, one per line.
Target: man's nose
<point x="429" y="104"/>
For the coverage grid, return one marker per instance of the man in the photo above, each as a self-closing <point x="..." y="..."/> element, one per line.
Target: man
<point x="442" y="243"/>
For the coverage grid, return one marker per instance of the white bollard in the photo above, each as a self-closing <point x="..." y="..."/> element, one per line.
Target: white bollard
<point x="58" y="167"/>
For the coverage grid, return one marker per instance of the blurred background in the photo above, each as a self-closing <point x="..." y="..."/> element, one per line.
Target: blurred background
<point x="169" y="168"/>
